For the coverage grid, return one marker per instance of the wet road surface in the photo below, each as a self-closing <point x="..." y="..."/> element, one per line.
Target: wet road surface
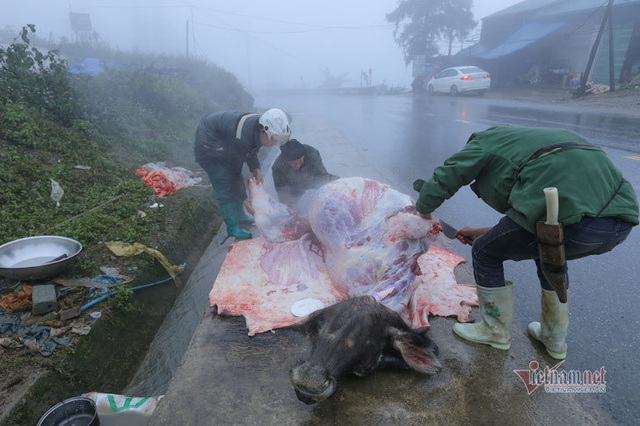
<point x="229" y="378"/>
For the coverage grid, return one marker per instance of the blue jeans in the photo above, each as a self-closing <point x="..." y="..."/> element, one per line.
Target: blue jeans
<point x="509" y="241"/>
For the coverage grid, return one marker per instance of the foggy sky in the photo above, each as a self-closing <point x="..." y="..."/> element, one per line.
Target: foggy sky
<point x="266" y="44"/>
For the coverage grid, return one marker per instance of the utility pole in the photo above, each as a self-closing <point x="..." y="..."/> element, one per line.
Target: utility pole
<point x="594" y="50"/>
<point x="612" y="77"/>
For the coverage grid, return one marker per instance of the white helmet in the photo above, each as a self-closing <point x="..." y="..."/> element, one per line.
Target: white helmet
<point x="275" y="123"/>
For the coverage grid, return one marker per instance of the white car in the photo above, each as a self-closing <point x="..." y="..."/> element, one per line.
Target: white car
<point x="460" y="79"/>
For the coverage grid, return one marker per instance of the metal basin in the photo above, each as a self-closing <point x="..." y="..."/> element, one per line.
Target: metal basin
<point x="78" y="411"/>
<point x="37" y="258"/>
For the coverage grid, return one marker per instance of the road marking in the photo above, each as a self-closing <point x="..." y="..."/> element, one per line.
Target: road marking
<point x="429" y="114"/>
<point x="463" y="121"/>
<point x="633" y="157"/>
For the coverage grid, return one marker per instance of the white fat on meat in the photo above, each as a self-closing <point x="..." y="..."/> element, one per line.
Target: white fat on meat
<point x="372" y="238"/>
<point x="361" y="237"/>
<point x="275" y="221"/>
<point x="262" y="280"/>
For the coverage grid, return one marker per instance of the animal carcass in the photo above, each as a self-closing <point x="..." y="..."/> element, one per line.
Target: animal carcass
<point x="362" y="238"/>
<point x="275" y="221"/>
<point x="358" y="336"/>
<point x="372" y="238"/>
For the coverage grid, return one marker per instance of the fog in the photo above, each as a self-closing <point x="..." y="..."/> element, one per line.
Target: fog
<point x="266" y="44"/>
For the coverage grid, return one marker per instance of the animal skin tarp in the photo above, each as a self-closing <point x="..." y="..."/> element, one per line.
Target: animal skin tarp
<point x="360" y="237"/>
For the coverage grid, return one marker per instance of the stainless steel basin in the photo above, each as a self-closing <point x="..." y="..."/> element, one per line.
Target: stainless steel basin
<point x="36" y="258"/>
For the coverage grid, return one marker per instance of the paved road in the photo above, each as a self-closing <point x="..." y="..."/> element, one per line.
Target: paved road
<point x="229" y="378"/>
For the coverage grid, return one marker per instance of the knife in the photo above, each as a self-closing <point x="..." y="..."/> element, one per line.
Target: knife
<point x="450" y="232"/>
<point x="551" y="246"/>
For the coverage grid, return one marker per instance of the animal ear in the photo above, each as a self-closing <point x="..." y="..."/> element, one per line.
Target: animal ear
<point x="417" y="351"/>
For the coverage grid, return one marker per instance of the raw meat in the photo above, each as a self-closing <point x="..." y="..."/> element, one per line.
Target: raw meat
<point x="365" y="240"/>
<point x="261" y="280"/>
<point x="275" y="221"/>
<point x="437" y="292"/>
<point x="372" y="239"/>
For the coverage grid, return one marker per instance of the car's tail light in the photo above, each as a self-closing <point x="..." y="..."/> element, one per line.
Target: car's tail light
<point x="466" y="77"/>
<point x="487" y="76"/>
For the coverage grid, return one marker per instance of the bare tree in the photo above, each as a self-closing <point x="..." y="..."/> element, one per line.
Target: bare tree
<point x="332" y="81"/>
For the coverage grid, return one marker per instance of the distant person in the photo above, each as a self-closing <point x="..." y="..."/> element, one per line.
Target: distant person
<point x="508" y="167"/>
<point x="418" y="85"/>
<point x="224" y="141"/>
<point x="298" y="168"/>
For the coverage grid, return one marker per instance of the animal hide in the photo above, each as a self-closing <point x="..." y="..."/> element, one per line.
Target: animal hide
<point x="362" y="237"/>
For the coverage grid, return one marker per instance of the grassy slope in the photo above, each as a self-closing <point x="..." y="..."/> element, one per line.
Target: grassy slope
<point x="142" y="109"/>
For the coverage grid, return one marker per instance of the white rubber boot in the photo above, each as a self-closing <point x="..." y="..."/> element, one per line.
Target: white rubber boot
<point x="496" y="309"/>
<point x="553" y="325"/>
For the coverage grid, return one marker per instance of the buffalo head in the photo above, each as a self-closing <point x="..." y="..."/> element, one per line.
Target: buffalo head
<point x="358" y="336"/>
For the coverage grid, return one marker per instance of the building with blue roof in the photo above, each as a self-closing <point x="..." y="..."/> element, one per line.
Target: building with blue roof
<point x="549" y="42"/>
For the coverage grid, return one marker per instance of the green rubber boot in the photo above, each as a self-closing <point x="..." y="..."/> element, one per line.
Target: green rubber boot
<point x="243" y="217"/>
<point x="496" y="309"/>
<point x="230" y="213"/>
<point x="553" y="326"/>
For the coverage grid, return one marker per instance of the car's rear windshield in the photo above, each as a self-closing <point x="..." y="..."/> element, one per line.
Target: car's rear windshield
<point x="470" y="70"/>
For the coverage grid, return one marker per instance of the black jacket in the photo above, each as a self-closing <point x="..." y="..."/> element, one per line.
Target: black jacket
<point x="221" y="136"/>
<point x="291" y="184"/>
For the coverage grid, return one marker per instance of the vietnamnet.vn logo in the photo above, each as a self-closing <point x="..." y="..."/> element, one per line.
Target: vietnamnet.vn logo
<point x="554" y="380"/>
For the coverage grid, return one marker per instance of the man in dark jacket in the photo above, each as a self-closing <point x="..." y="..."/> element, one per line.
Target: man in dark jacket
<point x="509" y="167"/>
<point x="224" y="141"/>
<point x="298" y="168"/>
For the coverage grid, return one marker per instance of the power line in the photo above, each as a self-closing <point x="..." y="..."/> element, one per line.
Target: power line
<point x="314" y="27"/>
<point x="205" y="24"/>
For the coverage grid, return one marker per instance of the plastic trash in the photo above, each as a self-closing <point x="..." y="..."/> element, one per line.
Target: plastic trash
<point x="115" y="409"/>
<point x="56" y="192"/>
<point x="166" y="180"/>
<point x="106" y="279"/>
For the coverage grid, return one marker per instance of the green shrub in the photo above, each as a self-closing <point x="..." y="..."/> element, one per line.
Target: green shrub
<point x="90" y="134"/>
<point x="34" y="78"/>
<point x="19" y="124"/>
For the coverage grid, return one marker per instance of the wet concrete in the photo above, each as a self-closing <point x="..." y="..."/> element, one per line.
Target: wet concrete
<point x="226" y="377"/>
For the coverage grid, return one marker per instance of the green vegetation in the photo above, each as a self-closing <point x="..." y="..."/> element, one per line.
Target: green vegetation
<point x="90" y="133"/>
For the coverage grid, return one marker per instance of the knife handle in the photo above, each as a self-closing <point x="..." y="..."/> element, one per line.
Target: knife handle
<point x="551" y="197"/>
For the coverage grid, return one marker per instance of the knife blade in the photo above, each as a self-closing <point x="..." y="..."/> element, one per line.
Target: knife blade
<point x="450" y="232"/>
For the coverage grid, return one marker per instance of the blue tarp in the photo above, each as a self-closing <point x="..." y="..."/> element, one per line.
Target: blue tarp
<point x="91" y="66"/>
<point x="529" y="33"/>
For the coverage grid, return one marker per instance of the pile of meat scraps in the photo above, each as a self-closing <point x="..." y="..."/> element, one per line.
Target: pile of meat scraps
<point x="361" y="237"/>
<point x="166" y="180"/>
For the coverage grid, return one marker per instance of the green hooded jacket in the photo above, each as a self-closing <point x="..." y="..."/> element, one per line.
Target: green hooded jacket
<point x="509" y="166"/>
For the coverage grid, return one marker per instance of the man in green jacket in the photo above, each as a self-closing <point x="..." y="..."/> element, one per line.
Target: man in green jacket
<point x="508" y="167"/>
<point x="298" y="168"/>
